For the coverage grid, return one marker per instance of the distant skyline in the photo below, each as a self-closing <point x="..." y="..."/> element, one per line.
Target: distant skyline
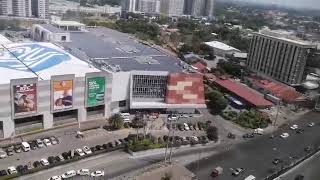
<point x="312" y="4"/>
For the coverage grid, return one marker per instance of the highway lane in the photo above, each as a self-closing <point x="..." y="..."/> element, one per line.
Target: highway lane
<point x="256" y="155"/>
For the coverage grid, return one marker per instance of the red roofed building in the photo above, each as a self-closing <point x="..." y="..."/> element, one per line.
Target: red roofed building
<point x="285" y="93"/>
<point x="245" y="94"/>
<point x="200" y="67"/>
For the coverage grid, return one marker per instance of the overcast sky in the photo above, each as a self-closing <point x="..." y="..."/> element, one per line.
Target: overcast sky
<point x="315" y="4"/>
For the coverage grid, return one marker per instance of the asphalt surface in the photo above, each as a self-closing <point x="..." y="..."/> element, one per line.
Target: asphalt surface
<point x="256" y="155"/>
<point x="309" y="169"/>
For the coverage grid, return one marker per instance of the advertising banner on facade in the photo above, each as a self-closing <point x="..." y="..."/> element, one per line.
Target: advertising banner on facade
<point x="25" y="99"/>
<point x="62" y="94"/>
<point x="95" y="91"/>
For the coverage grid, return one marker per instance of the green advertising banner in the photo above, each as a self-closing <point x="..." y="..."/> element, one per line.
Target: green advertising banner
<point x="96" y="89"/>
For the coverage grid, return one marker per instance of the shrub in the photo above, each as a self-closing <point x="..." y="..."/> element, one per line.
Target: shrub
<point x="116" y="121"/>
<point x="126" y="125"/>
<point x="144" y="145"/>
<point x="212" y="133"/>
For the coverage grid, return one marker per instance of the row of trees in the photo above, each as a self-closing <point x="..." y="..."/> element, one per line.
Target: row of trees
<point x="217" y="103"/>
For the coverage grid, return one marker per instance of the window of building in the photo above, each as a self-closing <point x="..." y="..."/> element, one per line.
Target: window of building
<point x="122" y="103"/>
<point x="63" y="38"/>
<point x="146" y="86"/>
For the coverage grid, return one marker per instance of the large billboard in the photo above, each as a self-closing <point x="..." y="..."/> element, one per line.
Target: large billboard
<point x="62" y="94"/>
<point x="95" y="91"/>
<point x="25" y="99"/>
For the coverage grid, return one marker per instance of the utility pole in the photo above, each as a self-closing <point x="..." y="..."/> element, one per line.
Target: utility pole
<point x="277" y="114"/>
<point x="167" y="145"/>
<point x="170" y="156"/>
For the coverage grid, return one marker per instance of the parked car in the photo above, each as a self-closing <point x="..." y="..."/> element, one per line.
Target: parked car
<point x="55" y="178"/>
<point x="33" y="145"/>
<point x="284" y="135"/>
<point x="258" y="131"/>
<point x="44" y="162"/>
<point x="3" y="173"/>
<point x="98" y="147"/>
<point x="20" y="168"/>
<point x="9" y="150"/>
<point x="69" y="174"/>
<point x="83" y="172"/>
<point x="25" y="146"/>
<point x="80" y="152"/>
<point x="172" y="117"/>
<point x="59" y="158"/>
<point x="186" y="127"/>
<point x="294" y="127"/>
<point x="237" y="171"/>
<point x="36" y="164"/>
<point x="54" y="140"/>
<point x="47" y="142"/>
<point x="250" y="177"/>
<point x="39" y="143"/>
<point x="3" y="154"/>
<point x="180" y="127"/>
<point x="311" y="124"/>
<point x="12" y="170"/>
<point x="17" y="148"/>
<point x="87" y="150"/>
<point x="125" y="117"/>
<point x="111" y="145"/>
<point x="97" y="174"/>
<point x="52" y="159"/>
<point x="93" y="149"/>
<point x="117" y="142"/>
<point x="248" y="135"/>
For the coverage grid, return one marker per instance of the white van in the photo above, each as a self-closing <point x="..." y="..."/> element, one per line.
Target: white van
<point x="126" y="117"/>
<point x="25" y="146"/>
<point x="250" y="178"/>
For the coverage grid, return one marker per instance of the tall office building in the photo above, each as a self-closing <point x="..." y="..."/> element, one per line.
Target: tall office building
<point x="277" y="55"/>
<point x="25" y="8"/>
<point x="209" y="9"/>
<point x="21" y="8"/>
<point x="147" y="6"/>
<point x="198" y="8"/>
<point x="172" y="7"/>
<point x="40" y="8"/>
<point x="129" y="6"/>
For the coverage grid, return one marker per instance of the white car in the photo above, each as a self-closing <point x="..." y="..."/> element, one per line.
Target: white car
<point x="44" y="162"/>
<point x="80" y="152"/>
<point x="172" y="117"/>
<point x="125" y="117"/>
<point x="311" y="124"/>
<point x="47" y="142"/>
<point x="69" y="174"/>
<point x="284" y="135"/>
<point x="186" y="127"/>
<point x="12" y="170"/>
<point x="55" y="178"/>
<point x="97" y="174"/>
<point x="294" y="127"/>
<point x="87" y="150"/>
<point x="83" y="172"/>
<point x="3" y="154"/>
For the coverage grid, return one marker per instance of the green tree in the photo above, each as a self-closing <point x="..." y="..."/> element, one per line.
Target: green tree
<point x="212" y="133"/>
<point x="83" y="2"/>
<point x="116" y="121"/>
<point x="217" y="103"/>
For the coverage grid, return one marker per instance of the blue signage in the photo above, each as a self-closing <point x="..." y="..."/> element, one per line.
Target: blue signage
<point x="36" y="56"/>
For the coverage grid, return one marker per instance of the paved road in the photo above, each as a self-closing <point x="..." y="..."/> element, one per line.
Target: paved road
<point x="309" y="169"/>
<point x="256" y="156"/>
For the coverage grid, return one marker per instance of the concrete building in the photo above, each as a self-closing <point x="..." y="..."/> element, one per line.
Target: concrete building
<point x="198" y="8"/>
<point x="147" y="6"/>
<point x="209" y="10"/>
<point x="40" y="90"/>
<point x="279" y="56"/>
<point x="40" y="8"/>
<point x="136" y="77"/>
<point x="222" y="49"/>
<point x="25" y="8"/>
<point x="172" y="7"/>
<point x="129" y="6"/>
<point x="21" y="8"/>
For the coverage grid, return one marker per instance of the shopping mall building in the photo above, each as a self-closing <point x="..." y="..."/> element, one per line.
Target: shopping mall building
<point x="89" y="75"/>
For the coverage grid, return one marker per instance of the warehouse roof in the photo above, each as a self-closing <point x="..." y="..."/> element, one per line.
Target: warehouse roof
<point x="53" y="28"/>
<point x="221" y="45"/>
<point x="118" y="49"/>
<point x="42" y="60"/>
